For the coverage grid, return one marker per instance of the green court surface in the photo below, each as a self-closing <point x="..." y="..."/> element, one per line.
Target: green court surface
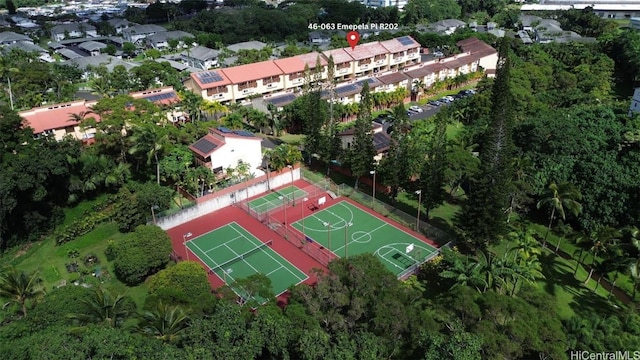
<point x="272" y="200"/>
<point x="233" y="253"/>
<point x="348" y="230"/>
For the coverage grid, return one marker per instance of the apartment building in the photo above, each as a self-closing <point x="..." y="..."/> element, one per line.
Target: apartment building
<point x="270" y="77"/>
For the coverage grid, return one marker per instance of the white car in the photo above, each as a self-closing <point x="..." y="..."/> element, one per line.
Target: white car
<point x="415" y="108"/>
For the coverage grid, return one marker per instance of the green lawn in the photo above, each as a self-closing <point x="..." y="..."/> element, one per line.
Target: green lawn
<point x="568" y="289"/>
<point x="50" y="260"/>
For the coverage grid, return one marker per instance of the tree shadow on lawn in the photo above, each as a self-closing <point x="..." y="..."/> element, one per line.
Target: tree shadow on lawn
<point x="557" y="273"/>
<point x="559" y="277"/>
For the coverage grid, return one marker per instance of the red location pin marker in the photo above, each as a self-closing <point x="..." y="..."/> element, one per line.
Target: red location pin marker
<point x="352" y="38"/>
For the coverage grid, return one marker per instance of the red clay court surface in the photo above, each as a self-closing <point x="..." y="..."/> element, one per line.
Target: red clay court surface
<point x="261" y="231"/>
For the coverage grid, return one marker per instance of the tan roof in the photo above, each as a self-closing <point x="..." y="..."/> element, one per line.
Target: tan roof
<point x="250" y="72"/>
<point x="210" y="79"/>
<point x="56" y="116"/>
<point x="425" y="70"/>
<point x="395" y="45"/>
<point x="339" y="56"/>
<point x="366" y="51"/>
<point x="393" y="78"/>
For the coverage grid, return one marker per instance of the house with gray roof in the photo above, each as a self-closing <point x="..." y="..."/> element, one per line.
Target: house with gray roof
<point x="92" y="47"/>
<point x="120" y="24"/>
<point x="161" y="40"/>
<point x="73" y="30"/>
<point x="200" y="57"/>
<point x="9" y="37"/>
<point x="88" y="62"/>
<point x="447" y="26"/>
<point x="247" y="45"/>
<point x="136" y="33"/>
<point x="24" y="46"/>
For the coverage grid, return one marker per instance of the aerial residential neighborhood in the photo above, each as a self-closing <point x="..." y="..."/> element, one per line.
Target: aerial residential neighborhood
<point x="319" y="179"/>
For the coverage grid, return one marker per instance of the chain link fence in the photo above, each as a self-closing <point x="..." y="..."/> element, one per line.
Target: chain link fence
<point x="409" y="221"/>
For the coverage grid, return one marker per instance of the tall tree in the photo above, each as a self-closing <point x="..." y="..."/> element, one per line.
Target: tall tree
<point x="362" y="151"/>
<point x="150" y="140"/>
<point x="561" y="197"/>
<point x="432" y="176"/>
<point x="19" y="287"/>
<point x="482" y="217"/>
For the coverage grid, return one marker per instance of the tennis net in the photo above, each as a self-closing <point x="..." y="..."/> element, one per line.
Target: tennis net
<point x="241" y="256"/>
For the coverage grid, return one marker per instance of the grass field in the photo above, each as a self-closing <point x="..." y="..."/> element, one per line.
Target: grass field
<point x="233" y="253"/>
<point x="272" y="200"/>
<point x="345" y="229"/>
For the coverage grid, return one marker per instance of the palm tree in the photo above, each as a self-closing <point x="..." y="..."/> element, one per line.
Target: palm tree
<point x="464" y="271"/>
<point x="634" y="272"/>
<point x="101" y="307"/>
<point x="100" y="86"/>
<point x="152" y="140"/>
<point x="164" y="322"/>
<point x="581" y="240"/>
<point x="602" y="241"/>
<point x="561" y="197"/>
<point x="526" y="244"/>
<point x="529" y="270"/>
<point x="417" y="89"/>
<point x="19" y="287"/>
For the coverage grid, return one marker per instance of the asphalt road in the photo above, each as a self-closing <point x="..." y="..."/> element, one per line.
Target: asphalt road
<point x="428" y="111"/>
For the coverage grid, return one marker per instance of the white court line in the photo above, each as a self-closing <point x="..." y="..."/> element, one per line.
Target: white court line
<point x="243" y="259"/>
<point x="271" y="272"/>
<point x="394" y="226"/>
<point x="368" y="232"/>
<point x="266" y="252"/>
<point x="384" y="256"/>
<point x="223" y="244"/>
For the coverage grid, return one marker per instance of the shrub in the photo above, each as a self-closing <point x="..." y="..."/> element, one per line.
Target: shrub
<point x="142" y="253"/>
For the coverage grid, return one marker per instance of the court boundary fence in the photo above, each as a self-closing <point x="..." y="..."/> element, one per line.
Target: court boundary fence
<point x="386" y="210"/>
<point x="311" y="191"/>
<point x="308" y="246"/>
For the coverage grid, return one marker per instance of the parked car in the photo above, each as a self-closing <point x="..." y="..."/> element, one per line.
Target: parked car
<point x="381" y="119"/>
<point x="450" y="98"/>
<point x="435" y="103"/>
<point x="438" y="54"/>
<point x="444" y="100"/>
<point x="415" y="108"/>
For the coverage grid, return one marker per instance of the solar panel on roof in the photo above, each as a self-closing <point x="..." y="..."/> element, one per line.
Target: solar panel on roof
<point x="282" y="100"/>
<point x="405" y="40"/>
<point x="346" y="89"/>
<point x="204" y="146"/>
<point x="244" y="133"/>
<point x="208" y="77"/>
<point x="224" y="129"/>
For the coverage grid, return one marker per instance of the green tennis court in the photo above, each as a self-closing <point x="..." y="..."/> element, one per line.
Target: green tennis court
<point x="272" y="200"/>
<point x="348" y="230"/>
<point x="233" y="253"/>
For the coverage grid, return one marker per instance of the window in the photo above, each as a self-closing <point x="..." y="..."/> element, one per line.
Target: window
<point x="217" y="170"/>
<point x="69" y="130"/>
<point x="217" y="90"/>
<point x="247" y="85"/>
<point x="364" y="62"/>
<point x="270" y="80"/>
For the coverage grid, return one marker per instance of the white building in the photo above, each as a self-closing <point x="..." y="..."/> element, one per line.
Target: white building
<point x="223" y="148"/>
<point x="635" y="102"/>
<point x="400" y="4"/>
<point x="74" y="30"/>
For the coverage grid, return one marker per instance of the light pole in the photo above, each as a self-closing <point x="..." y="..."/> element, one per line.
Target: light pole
<point x="373" y="192"/>
<point x="419" y="192"/>
<point x="346" y="237"/>
<point x="302" y="213"/>
<point x="184" y="242"/>
<point x="153" y="213"/>
<point x="294" y="193"/>
<point x="286" y="235"/>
